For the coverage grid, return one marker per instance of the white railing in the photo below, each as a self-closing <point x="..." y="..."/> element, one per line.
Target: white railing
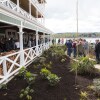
<point x="10" y="64"/>
<point x="39" y="6"/>
<point x="14" y="7"/>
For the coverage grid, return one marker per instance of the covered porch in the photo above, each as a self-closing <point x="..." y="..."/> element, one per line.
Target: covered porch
<point x="12" y="61"/>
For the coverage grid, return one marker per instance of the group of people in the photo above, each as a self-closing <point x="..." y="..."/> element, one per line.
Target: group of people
<point x="8" y="44"/>
<point x="77" y="47"/>
<point x="80" y="47"/>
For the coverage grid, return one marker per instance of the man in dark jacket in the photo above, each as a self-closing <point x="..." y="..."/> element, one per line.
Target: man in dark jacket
<point x="69" y="47"/>
<point x="97" y="51"/>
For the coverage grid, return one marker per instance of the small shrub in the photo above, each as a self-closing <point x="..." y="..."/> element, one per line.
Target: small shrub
<point x="83" y="95"/>
<point x="84" y="65"/>
<point x="25" y="93"/>
<point x="44" y="72"/>
<point x="53" y="79"/>
<point x="63" y="60"/>
<point x="3" y="86"/>
<point x="22" y="72"/>
<point x="90" y="87"/>
<point x="30" y="78"/>
<point x="96" y="84"/>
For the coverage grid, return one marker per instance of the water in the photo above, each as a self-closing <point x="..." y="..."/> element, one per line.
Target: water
<point x="90" y="40"/>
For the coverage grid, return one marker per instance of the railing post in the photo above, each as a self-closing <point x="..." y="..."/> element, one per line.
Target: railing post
<point x="30" y="7"/>
<point x="17" y="5"/>
<point x="37" y="38"/>
<point x="21" y="45"/>
<point x="5" y="68"/>
<point x="44" y="41"/>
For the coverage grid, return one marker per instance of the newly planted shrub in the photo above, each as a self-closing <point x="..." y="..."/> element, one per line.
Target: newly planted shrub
<point x="45" y="72"/>
<point x="83" y="95"/>
<point x="63" y="60"/>
<point x="53" y="79"/>
<point x="3" y="86"/>
<point x="84" y="65"/>
<point x="30" y="78"/>
<point x="96" y="84"/>
<point x="26" y="93"/>
<point x="22" y="72"/>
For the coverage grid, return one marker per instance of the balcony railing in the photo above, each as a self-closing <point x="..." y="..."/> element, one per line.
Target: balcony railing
<point x="14" y="7"/>
<point x="10" y="64"/>
<point x="39" y="6"/>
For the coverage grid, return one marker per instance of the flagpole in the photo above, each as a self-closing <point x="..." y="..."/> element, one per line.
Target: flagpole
<point x="77" y="39"/>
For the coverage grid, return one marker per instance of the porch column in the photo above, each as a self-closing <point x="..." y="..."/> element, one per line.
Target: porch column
<point x="44" y="40"/>
<point x="21" y="45"/>
<point x="30" y="7"/>
<point x="37" y="38"/>
<point x="50" y="39"/>
<point x="17" y="5"/>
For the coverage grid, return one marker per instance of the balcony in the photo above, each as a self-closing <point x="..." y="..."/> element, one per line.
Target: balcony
<point x="23" y="12"/>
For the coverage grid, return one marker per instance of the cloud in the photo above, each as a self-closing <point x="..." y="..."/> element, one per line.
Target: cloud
<point x="61" y="15"/>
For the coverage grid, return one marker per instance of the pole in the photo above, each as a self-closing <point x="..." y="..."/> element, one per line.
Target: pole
<point x="77" y="38"/>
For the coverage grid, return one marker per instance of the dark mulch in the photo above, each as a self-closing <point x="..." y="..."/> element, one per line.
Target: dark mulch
<point x="65" y="90"/>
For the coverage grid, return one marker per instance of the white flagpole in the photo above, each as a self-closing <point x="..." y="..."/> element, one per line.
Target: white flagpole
<point x="77" y="38"/>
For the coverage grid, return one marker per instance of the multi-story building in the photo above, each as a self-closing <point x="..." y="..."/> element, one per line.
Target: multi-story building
<point x="22" y="21"/>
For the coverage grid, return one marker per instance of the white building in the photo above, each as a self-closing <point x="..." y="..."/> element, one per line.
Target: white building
<point x="21" y="20"/>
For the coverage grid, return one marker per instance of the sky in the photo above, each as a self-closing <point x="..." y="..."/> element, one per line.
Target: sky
<point x="61" y="15"/>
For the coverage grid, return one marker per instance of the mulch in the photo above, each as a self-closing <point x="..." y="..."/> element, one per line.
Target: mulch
<point x="65" y="90"/>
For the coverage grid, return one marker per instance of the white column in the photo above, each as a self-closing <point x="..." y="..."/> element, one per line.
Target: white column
<point x="44" y="40"/>
<point x="17" y="5"/>
<point x="21" y="45"/>
<point x="30" y="7"/>
<point x="36" y="14"/>
<point x="50" y="39"/>
<point x="37" y="38"/>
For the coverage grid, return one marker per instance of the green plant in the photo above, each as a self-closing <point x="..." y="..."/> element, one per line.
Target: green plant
<point x="45" y="72"/>
<point x="3" y="86"/>
<point x="22" y="72"/>
<point x="84" y="65"/>
<point x="30" y="78"/>
<point x="25" y="93"/>
<point x="53" y="79"/>
<point x="83" y="95"/>
<point x="96" y="84"/>
<point x="63" y="60"/>
<point x="90" y="87"/>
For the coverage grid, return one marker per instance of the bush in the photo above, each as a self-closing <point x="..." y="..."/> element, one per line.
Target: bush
<point x="25" y="93"/>
<point x="3" y="86"/>
<point x="30" y="78"/>
<point x="53" y="79"/>
<point x="44" y="72"/>
<point x="83" y="95"/>
<point x="22" y="72"/>
<point x="96" y="84"/>
<point x="84" y="65"/>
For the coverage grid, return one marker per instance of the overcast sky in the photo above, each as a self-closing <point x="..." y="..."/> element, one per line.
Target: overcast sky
<point x="61" y="15"/>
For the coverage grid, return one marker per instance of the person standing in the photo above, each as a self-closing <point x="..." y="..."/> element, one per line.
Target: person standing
<point x="97" y="51"/>
<point x="74" y="48"/>
<point x="69" y="47"/>
<point x="85" y="47"/>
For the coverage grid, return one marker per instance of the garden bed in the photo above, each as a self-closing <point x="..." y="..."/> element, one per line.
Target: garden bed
<point x="64" y="90"/>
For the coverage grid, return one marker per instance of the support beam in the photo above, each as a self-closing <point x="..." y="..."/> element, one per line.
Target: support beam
<point x="30" y="7"/>
<point x="21" y="45"/>
<point x="17" y="5"/>
<point x="37" y="39"/>
<point x="44" y="40"/>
